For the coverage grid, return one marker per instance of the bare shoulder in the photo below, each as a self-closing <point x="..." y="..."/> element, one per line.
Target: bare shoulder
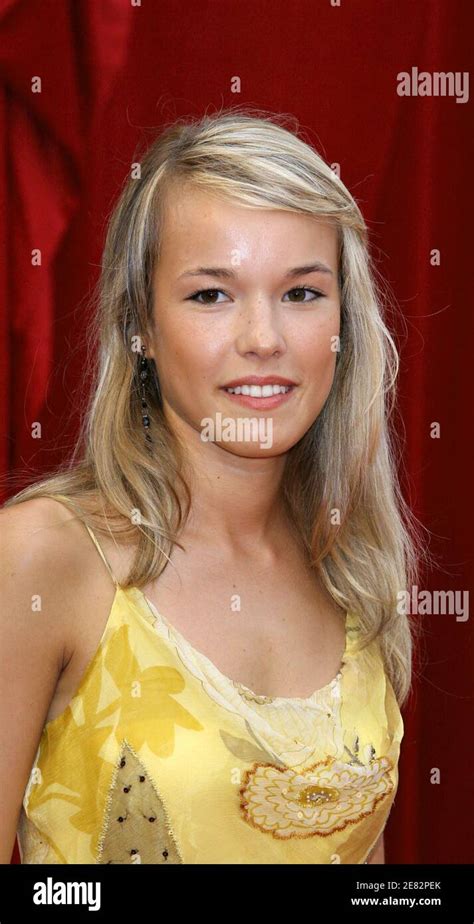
<point x="39" y="542"/>
<point x="43" y="546"/>
<point x="49" y="566"/>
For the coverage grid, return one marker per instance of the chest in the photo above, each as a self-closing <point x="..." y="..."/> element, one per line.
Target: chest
<point x="270" y="626"/>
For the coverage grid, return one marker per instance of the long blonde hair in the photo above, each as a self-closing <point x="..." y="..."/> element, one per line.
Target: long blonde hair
<point x="340" y="483"/>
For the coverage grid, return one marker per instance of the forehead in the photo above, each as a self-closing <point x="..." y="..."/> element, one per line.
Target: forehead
<point x="199" y="225"/>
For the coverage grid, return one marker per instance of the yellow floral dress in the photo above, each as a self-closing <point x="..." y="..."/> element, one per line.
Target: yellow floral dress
<point x="160" y="758"/>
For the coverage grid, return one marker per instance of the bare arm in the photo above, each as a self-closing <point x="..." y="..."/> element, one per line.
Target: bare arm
<point x="35" y="569"/>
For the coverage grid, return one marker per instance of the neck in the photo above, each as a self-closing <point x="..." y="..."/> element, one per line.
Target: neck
<point x="236" y="501"/>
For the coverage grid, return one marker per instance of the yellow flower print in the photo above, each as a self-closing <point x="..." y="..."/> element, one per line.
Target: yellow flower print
<point x="147" y="709"/>
<point x="318" y="801"/>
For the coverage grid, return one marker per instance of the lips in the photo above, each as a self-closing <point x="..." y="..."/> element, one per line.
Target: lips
<point x="260" y="402"/>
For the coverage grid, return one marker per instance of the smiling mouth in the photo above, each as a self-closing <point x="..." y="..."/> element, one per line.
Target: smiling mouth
<point x="260" y="397"/>
<point x="259" y="391"/>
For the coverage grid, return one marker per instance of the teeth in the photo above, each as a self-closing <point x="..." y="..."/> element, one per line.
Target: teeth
<point x="259" y="391"/>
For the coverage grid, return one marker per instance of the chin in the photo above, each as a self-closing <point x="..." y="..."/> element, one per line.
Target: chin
<point x="256" y="450"/>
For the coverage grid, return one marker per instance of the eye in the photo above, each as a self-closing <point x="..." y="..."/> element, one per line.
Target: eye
<point x="194" y="297"/>
<point x="303" y="289"/>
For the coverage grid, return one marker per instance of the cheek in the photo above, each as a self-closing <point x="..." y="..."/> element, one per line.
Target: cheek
<point x="187" y="355"/>
<point x="324" y="366"/>
<point x="318" y="354"/>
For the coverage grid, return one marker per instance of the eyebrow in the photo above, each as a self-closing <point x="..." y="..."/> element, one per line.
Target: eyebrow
<point x="223" y="272"/>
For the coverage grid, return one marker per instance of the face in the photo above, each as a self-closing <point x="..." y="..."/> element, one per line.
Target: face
<point x="231" y="303"/>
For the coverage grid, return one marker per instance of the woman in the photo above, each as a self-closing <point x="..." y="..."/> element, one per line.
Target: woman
<point x="228" y="687"/>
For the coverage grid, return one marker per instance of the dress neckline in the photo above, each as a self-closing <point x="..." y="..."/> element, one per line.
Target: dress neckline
<point x="181" y="642"/>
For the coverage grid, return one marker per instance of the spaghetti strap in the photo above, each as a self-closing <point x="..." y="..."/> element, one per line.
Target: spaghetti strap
<point x="99" y="549"/>
<point x="67" y="500"/>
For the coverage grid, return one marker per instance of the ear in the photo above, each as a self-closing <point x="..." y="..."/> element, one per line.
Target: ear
<point x="148" y="342"/>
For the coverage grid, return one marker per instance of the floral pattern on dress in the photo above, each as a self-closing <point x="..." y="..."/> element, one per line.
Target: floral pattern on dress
<point x="318" y="801"/>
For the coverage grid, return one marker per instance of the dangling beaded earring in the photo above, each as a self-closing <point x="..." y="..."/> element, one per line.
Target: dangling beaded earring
<point x="143" y="375"/>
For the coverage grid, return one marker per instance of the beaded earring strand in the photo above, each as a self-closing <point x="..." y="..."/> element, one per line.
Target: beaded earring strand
<point x="144" y="372"/>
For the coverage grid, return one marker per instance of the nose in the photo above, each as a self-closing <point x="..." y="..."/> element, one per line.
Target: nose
<point x="259" y="329"/>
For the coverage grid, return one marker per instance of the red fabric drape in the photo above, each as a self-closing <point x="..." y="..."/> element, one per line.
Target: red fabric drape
<point x="111" y="69"/>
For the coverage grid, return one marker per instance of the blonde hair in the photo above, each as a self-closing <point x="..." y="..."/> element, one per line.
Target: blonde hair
<point x="340" y="483"/>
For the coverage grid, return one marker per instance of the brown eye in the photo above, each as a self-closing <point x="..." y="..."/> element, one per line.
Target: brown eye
<point x="206" y="292"/>
<point x="300" y="290"/>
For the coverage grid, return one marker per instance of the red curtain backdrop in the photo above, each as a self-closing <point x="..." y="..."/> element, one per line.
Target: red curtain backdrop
<point x="112" y="72"/>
